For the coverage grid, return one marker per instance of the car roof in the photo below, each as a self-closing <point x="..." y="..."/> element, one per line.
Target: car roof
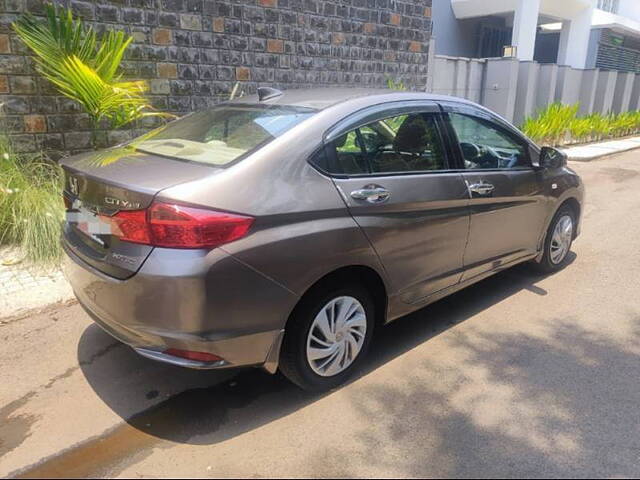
<point x="322" y="98"/>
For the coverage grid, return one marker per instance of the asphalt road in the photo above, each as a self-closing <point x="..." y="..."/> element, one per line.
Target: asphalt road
<point x="517" y="376"/>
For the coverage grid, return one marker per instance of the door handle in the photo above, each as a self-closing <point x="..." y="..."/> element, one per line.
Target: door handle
<point x="372" y="194"/>
<point x="481" y="188"/>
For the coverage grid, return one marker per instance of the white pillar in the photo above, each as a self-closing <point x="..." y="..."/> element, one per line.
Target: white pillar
<point x="500" y="86"/>
<point x="546" y="86"/>
<point x="604" y="91"/>
<point x="622" y="95"/>
<point x="635" y="95"/>
<point x="526" y="93"/>
<point x="588" y="91"/>
<point x="525" y="26"/>
<point x="574" y="39"/>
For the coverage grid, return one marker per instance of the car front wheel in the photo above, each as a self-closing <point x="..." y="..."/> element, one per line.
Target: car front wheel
<point x="558" y="241"/>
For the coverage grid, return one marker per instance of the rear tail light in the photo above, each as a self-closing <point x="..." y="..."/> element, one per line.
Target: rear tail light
<point x="130" y="226"/>
<point x="195" y="356"/>
<point x="177" y="226"/>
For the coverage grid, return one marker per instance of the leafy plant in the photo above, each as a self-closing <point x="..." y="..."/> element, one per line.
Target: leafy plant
<point x="559" y="124"/>
<point x="31" y="207"/>
<point x="581" y="129"/>
<point x="235" y="93"/>
<point x="84" y="66"/>
<point x="396" y="85"/>
<point x="550" y="125"/>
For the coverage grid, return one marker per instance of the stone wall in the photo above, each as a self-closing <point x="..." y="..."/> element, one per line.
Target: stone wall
<point x="192" y="52"/>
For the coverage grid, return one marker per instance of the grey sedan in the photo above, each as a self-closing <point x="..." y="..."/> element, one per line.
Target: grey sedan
<point x="282" y="230"/>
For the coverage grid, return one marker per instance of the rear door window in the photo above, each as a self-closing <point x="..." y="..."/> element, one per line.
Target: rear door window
<point x="400" y="144"/>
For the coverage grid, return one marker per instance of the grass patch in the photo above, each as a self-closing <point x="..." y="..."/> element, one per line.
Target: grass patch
<point x="31" y="206"/>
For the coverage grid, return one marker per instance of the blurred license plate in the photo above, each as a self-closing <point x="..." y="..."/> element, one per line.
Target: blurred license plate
<point x="88" y="222"/>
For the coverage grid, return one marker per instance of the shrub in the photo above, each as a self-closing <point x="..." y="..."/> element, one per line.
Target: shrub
<point x="31" y="206"/>
<point x="581" y="129"/>
<point x="600" y="126"/>
<point x="551" y="124"/>
<point x="559" y="124"/>
<point x="624" y="124"/>
<point x="396" y="84"/>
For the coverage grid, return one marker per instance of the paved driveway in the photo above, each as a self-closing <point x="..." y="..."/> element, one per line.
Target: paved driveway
<point x="519" y="375"/>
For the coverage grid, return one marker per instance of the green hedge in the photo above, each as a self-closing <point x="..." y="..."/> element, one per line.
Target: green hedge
<point x="560" y="124"/>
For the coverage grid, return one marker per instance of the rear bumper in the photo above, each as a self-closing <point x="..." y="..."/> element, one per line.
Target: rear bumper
<point x="204" y="302"/>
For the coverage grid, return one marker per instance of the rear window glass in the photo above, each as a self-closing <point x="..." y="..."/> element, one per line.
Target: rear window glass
<point x="223" y="134"/>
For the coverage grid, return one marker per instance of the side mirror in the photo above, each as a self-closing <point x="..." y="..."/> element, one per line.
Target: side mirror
<point x="552" y="158"/>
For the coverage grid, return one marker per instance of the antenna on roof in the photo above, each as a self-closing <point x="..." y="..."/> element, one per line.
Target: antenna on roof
<point x="267" y="93"/>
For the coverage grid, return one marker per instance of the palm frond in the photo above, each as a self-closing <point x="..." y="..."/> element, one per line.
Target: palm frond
<point x="84" y="67"/>
<point x="109" y="56"/>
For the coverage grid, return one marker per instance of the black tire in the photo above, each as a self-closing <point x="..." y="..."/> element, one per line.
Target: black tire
<point x="546" y="265"/>
<point x="293" y="358"/>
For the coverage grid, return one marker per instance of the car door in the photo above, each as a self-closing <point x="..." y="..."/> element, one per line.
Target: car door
<point x="507" y="201"/>
<point x="393" y="171"/>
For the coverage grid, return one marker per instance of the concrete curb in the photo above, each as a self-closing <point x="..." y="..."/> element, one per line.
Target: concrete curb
<point x="24" y="286"/>
<point x="596" y="151"/>
<point x="45" y="308"/>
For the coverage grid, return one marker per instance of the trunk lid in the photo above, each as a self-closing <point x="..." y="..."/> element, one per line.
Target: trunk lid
<point x="106" y="182"/>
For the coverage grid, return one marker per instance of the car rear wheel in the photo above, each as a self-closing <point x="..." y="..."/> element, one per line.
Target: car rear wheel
<point x="327" y="337"/>
<point x="558" y="241"/>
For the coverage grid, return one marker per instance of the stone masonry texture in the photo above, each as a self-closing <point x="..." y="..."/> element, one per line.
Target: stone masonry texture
<point x="192" y="53"/>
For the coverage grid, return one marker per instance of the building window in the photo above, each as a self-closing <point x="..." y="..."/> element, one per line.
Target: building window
<point x="609" y="5"/>
<point x="492" y="41"/>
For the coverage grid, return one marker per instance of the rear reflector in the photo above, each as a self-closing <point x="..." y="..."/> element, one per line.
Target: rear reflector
<point x="195" y="356"/>
<point x="177" y="226"/>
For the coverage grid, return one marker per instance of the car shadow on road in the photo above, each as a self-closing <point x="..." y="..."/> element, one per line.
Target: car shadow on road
<point x="161" y="403"/>
<point x="214" y="406"/>
<point x="557" y="402"/>
<point x="562" y="404"/>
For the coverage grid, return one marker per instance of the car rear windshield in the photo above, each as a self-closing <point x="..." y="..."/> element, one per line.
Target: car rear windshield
<point x="222" y="135"/>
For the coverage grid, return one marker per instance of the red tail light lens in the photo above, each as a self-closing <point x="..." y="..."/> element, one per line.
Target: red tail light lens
<point x="131" y="226"/>
<point x="185" y="227"/>
<point x="177" y="226"/>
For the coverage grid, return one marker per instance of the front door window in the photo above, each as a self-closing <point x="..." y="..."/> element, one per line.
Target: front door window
<point x="486" y="146"/>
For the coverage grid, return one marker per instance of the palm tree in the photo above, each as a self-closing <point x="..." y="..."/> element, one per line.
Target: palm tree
<point x="85" y="67"/>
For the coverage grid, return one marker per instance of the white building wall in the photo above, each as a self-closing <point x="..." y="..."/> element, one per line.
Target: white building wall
<point x="525" y="25"/>
<point x="630" y="9"/>
<point x="574" y="39"/>
<point x="575" y="15"/>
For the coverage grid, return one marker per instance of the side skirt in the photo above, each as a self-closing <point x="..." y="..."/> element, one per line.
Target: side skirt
<point x="398" y="308"/>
